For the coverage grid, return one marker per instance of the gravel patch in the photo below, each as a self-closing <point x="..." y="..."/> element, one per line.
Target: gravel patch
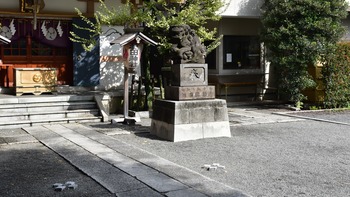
<point x="305" y="158"/>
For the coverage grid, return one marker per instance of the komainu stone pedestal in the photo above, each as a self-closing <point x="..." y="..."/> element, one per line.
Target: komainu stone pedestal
<point x="180" y="93"/>
<point x="190" y="120"/>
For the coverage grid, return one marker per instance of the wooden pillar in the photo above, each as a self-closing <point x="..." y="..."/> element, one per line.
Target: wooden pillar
<point x="126" y="94"/>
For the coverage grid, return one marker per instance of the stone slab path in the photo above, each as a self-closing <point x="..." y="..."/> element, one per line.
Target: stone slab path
<point x="242" y="116"/>
<point x="124" y="169"/>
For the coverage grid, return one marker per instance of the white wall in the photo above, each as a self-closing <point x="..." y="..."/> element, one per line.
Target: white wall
<point x="6" y="4"/>
<point x="242" y="8"/>
<point x="62" y="6"/>
<point x="113" y="3"/>
<point x="245" y="8"/>
<point x="111" y="73"/>
<point x="70" y="5"/>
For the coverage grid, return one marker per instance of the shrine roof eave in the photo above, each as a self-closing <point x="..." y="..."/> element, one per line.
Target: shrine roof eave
<point x="4" y="40"/>
<point x="127" y="38"/>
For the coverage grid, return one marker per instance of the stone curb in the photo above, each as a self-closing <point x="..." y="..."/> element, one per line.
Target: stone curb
<point x="291" y="114"/>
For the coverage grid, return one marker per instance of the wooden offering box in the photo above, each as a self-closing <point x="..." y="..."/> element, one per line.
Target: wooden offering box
<point x="35" y="80"/>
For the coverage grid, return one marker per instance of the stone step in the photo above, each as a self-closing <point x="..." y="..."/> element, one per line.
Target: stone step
<point x="16" y="112"/>
<point x="5" y="117"/>
<point x="28" y="123"/>
<point x="46" y="99"/>
<point x="40" y="107"/>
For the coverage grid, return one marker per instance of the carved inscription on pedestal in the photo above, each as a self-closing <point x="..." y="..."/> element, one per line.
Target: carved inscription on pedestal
<point x="189" y="75"/>
<point x="189" y="92"/>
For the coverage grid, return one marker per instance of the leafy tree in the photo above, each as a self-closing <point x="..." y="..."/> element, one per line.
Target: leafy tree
<point x="195" y="13"/>
<point x="298" y="33"/>
<point x="336" y="77"/>
<point x="156" y="16"/>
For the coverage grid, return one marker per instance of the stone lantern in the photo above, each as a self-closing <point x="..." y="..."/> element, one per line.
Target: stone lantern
<point x="132" y="45"/>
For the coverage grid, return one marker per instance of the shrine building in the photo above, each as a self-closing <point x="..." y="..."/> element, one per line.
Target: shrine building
<point x="39" y="31"/>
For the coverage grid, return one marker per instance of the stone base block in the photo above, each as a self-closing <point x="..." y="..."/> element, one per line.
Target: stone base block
<point x="179" y="93"/>
<point x="190" y="120"/>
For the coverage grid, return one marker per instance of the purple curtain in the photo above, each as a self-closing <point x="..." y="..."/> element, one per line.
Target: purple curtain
<point x="24" y="27"/>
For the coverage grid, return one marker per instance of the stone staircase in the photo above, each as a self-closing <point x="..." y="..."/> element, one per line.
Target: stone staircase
<point x="17" y="112"/>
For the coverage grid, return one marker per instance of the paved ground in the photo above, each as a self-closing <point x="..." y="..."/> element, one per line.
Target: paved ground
<point x="30" y="169"/>
<point x="268" y="155"/>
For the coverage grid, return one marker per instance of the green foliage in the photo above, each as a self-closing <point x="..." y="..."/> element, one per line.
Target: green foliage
<point x="195" y="13"/>
<point x="336" y="75"/>
<point x="314" y="107"/>
<point x="147" y="79"/>
<point x="298" y="33"/>
<point x="107" y="16"/>
<point x="93" y="29"/>
<point x="119" y="16"/>
<point x="157" y="16"/>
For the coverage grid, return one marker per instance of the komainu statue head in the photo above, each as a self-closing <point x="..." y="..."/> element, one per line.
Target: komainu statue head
<point x="186" y="46"/>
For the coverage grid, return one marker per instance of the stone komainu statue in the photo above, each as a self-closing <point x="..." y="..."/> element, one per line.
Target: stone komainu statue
<point x="186" y="46"/>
